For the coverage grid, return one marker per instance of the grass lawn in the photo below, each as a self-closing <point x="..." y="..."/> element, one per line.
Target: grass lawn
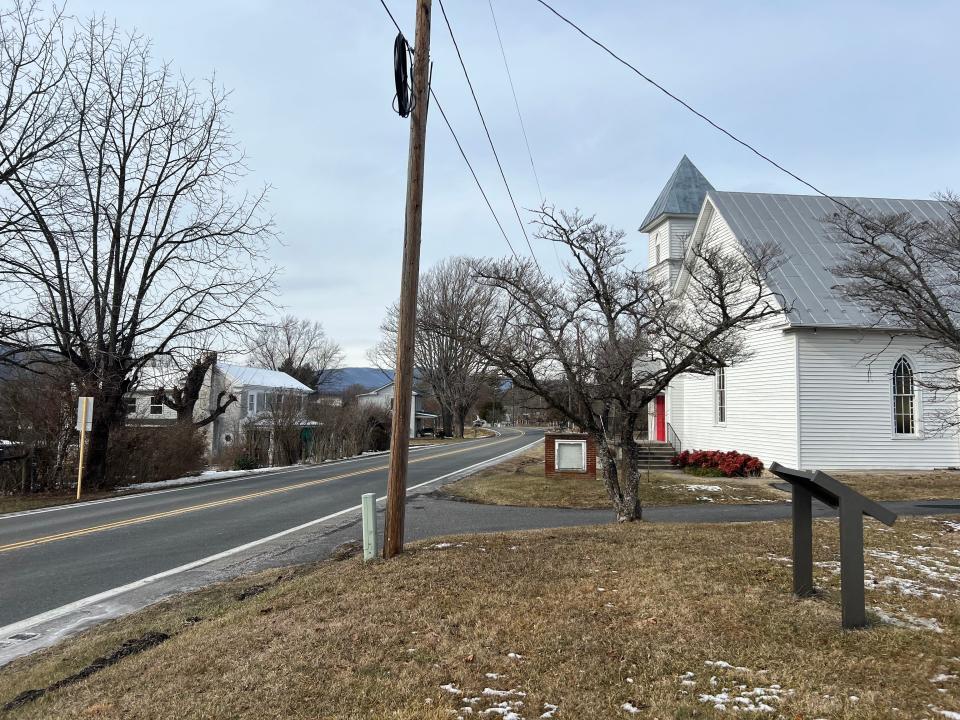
<point x="520" y="481"/>
<point x="904" y="484"/>
<point x="636" y="620"/>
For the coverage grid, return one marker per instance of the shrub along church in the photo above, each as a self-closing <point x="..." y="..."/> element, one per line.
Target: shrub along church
<point x="825" y="386"/>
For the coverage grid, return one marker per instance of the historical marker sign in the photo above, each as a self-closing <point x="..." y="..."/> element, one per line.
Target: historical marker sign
<point x="806" y="485"/>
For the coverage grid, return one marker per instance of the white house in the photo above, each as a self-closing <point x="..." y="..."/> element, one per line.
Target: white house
<point x="383" y="397"/>
<point x="256" y="389"/>
<point x="825" y="386"/>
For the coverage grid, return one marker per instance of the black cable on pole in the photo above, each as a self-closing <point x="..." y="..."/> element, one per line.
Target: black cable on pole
<point x="489" y="137"/>
<point x="463" y="154"/>
<point x="696" y="112"/>
<point x="404" y="100"/>
<point x="516" y="102"/>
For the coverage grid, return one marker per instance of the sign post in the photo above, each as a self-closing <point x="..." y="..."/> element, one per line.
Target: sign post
<point x="84" y="423"/>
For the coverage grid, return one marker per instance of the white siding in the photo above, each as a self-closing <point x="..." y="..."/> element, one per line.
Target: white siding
<point x="143" y="414"/>
<point x="671" y="237"/>
<point x="846" y="404"/>
<point x="761" y="392"/>
<point x="761" y="406"/>
<point x="679" y="231"/>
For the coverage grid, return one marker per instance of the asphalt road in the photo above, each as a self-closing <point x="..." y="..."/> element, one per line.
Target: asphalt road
<point x="53" y="557"/>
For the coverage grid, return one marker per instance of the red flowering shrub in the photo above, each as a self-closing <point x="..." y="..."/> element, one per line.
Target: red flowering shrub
<point x="730" y="463"/>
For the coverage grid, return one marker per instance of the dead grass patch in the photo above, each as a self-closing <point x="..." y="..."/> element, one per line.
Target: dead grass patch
<point x="520" y="481"/>
<point x="19" y="503"/>
<point x="669" y="620"/>
<point x="904" y="484"/>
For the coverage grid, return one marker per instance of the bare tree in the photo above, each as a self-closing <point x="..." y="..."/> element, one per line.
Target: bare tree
<point x="599" y="345"/>
<point x="449" y="306"/>
<point x="34" y="58"/>
<point x="182" y="396"/>
<point x="129" y="240"/>
<point x="906" y="272"/>
<point x="298" y="347"/>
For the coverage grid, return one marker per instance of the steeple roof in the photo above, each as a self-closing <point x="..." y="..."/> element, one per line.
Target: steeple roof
<point x="682" y="195"/>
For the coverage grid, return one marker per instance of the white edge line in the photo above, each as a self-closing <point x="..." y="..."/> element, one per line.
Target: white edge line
<point x="202" y="483"/>
<point x="26" y="624"/>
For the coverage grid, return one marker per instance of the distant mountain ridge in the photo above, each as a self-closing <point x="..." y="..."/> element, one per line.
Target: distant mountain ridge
<point x="367" y="377"/>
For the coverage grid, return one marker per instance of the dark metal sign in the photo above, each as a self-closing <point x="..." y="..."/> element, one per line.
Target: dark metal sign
<point x="806" y="485"/>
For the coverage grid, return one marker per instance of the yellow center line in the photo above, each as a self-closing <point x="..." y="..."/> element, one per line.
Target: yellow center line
<point x="217" y="503"/>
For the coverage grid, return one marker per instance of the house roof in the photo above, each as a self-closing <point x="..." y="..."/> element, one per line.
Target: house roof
<point x="376" y="391"/>
<point x="261" y="377"/>
<point x="682" y="195"/>
<point x="796" y="222"/>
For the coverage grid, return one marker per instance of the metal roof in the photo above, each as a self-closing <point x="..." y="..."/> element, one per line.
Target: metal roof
<point x="796" y="223"/>
<point x="682" y="195"/>
<point x="261" y="377"/>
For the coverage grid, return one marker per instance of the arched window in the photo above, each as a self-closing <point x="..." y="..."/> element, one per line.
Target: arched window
<point x="904" y="399"/>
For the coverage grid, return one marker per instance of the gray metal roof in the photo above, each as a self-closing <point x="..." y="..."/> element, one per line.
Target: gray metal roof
<point x="682" y="195"/>
<point x="795" y="222"/>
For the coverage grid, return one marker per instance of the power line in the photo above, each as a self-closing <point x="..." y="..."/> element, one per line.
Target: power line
<point x="489" y="137"/>
<point x="476" y="179"/>
<point x="523" y="127"/>
<point x="516" y="102"/>
<point x="689" y="107"/>
<point x="463" y="154"/>
<point x="393" y="19"/>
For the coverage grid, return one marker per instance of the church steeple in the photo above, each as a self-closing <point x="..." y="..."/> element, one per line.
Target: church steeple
<point x="671" y="219"/>
<point x="681" y="196"/>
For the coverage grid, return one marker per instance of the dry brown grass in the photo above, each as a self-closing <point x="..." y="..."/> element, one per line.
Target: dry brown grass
<point x="904" y="484"/>
<point x="520" y="481"/>
<point x="18" y="503"/>
<point x="599" y="617"/>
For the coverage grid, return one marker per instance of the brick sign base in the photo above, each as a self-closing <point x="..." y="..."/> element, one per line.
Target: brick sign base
<point x="550" y="456"/>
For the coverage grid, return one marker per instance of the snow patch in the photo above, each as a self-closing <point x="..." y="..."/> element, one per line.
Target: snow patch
<point x="737" y="696"/>
<point x="908" y="621"/>
<point x="205" y="476"/>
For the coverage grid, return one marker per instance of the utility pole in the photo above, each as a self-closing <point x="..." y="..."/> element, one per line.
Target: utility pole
<point x="409" y="278"/>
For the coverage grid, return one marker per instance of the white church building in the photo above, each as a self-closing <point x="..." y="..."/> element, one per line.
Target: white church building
<point x="825" y="387"/>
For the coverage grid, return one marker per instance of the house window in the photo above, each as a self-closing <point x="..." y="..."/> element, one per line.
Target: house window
<point x="156" y="406"/>
<point x="251" y="403"/>
<point x="571" y="455"/>
<point x="656" y="248"/>
<point x="904" y="399"/>
<point x="720" y="395"/>
<point x="130" y="405"/>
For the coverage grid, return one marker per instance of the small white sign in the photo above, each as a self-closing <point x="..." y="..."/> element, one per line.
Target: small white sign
<point x="89" y="413"/>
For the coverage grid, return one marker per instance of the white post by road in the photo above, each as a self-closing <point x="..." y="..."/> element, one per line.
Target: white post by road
<point x="368" y="504"/>
<point x="84" y="423"/>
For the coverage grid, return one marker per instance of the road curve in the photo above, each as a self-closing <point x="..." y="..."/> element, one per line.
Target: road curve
<point x="58" y="556"/>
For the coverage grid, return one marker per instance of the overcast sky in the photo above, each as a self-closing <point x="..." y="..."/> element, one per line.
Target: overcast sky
<point x="860" y="98"/>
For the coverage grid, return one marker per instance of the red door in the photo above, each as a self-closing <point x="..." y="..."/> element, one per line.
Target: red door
<point x="661" y="410"/>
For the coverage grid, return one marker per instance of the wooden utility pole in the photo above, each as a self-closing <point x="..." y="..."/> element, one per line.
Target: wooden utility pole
<point x="410" y="275"/>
